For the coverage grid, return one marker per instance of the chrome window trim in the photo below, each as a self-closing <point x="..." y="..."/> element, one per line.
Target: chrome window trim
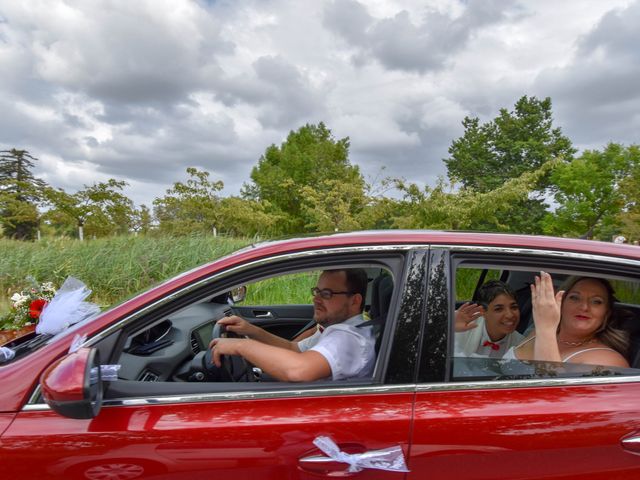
<point x="252" y="395"/>
<point x="340" y="391"/>
<point x="386" y="248"/>
<point x="490" y="384"/>
<point x="537" y="251"/>
<point x="526" y="383"/>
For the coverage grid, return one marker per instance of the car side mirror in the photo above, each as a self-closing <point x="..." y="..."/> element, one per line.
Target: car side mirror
<point x="72" y="386"/>
<point x="238" y="294"/>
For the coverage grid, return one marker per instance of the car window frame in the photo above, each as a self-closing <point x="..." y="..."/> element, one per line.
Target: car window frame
<point x="113" y="336"/>
<point x="490" y="257"/>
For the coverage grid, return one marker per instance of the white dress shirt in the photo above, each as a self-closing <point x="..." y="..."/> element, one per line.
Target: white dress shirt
<point x="476" y="342"/>
<point x="349" y="350"/>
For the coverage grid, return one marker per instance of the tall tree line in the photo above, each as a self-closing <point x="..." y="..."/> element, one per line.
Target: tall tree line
<point x="515" y="173"/>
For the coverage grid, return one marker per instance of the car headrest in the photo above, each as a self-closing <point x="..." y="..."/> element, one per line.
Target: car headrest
<point x="381" y="291"/>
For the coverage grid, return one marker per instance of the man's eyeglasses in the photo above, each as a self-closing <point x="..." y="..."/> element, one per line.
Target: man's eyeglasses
<point x="327" y="293"/>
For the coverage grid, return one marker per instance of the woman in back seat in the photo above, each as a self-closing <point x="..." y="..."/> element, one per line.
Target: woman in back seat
<point x="488" y="328"/>
<point x="577" y="326"/>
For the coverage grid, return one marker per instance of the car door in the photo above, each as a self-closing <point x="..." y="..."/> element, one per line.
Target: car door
<point x="539" y="421"/>
<point x="169" y="430"/>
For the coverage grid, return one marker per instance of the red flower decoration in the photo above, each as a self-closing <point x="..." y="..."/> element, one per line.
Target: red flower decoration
<point x="36" y="307"/>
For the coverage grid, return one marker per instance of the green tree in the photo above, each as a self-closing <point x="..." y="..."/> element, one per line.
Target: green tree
<point x="596" y="193"/>
<point x="629" y="217"/>
<point x="142" y="220"/>
<point x="381" y="213"/>
<point x="333" y="206"/>
<point x="441" y="207"/>
<point x="590" y="192"/>
<point x="247" y="218"/>
<point x="97" y="210"/>
<point x="189" y="207"/>
<point x="489" y="154"/>
<point x="292" y="179"/>
<point x="20" y="193"/>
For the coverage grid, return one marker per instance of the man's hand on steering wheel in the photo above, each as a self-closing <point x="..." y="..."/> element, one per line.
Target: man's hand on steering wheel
<point x="224" y="346"/>
<point x="224" y="352"/>
<point x="237" y="325"/>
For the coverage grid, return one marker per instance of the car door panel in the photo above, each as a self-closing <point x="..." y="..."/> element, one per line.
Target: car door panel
<point x="255" y="438"/>
<point x="526" y="433"/>
<point x="5" y="421"/>
<point x="217" y="430"/>
<point x="513" y="429"/>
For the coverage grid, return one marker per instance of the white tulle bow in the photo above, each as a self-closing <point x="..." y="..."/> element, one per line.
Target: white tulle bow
<point x="391" y="459"/>
<point x="67" y="308"/>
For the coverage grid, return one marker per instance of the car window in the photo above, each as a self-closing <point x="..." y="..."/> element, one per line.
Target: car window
<point x="294" y="288"/>
<point x="506" y="324"/>
<point x="469" y="279"/>
<point x="171" y="349"/>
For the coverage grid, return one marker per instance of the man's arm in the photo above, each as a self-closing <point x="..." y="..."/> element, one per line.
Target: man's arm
<point x="280" y="363"/>
<point x="240" y="326"/>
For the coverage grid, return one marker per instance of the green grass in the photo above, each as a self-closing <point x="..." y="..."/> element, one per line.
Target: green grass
<point x="627" y="292"/>
<point x="467" y="280"/>
<point x="117" y="268"/>
<point x="114" y="268"/>
<point x="287" y="289"/>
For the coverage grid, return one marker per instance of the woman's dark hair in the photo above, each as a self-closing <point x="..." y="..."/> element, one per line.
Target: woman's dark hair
<point x="607" y="333"/>
<point x="491" y="289"/>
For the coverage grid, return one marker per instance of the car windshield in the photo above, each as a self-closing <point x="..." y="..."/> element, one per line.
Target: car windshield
<point x="27" y="344"/>
<point x="23" y="346"/>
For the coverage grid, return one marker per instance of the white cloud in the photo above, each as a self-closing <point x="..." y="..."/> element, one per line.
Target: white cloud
<point x="141" y="90"/>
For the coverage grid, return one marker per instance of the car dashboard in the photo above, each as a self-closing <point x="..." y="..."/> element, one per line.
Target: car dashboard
<point x="155" y="353"/>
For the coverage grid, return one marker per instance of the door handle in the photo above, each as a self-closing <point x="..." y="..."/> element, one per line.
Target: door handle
<point x="322" y="465"/>
<point x="263" y="314"/>
<point x="336" y="462"/>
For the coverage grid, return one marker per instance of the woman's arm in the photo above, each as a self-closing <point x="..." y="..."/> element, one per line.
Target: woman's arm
<point x="546" y="317"/>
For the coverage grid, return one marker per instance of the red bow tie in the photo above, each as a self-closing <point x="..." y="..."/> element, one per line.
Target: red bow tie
<point x="494" y="346"/>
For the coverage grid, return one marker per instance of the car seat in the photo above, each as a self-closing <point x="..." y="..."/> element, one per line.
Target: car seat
<point x="628" y="319"/>
<point x="381" y="291"/>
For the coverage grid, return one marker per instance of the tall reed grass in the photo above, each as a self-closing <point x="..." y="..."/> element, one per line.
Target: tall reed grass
<point x="114" y="268"/>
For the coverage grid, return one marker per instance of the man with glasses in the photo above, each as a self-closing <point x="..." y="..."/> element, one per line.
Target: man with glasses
<point x="341" y="348"/>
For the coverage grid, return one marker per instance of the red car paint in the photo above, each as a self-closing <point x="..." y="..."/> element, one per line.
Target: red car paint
<point x="563" y="431"/>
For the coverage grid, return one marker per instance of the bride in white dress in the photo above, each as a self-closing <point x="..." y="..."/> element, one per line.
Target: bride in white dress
<point x="574" y="325"/>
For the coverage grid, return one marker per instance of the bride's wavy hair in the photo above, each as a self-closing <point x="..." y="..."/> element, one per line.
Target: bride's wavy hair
<point x="609" y="332"/>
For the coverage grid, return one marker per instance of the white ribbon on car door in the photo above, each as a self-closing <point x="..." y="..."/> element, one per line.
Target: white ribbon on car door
<point x="391" y="459"/>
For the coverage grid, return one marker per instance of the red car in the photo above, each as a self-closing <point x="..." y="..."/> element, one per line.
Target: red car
<point x="452" y="417"/>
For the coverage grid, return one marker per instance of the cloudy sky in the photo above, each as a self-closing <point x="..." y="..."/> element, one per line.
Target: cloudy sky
<point x="140" y="90"/>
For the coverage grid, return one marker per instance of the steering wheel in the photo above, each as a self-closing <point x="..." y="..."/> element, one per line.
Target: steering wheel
<point x="235" y="367"/>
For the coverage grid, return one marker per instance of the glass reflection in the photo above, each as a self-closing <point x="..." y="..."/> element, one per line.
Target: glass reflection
<point x="404" y="352"/>
<point x="433" y="358"/>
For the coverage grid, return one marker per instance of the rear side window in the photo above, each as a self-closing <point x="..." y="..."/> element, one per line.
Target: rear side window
<point x="493" y="329"/>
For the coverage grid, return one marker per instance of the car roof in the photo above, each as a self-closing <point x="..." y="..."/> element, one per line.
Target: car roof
<point x="419" y="237"/>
